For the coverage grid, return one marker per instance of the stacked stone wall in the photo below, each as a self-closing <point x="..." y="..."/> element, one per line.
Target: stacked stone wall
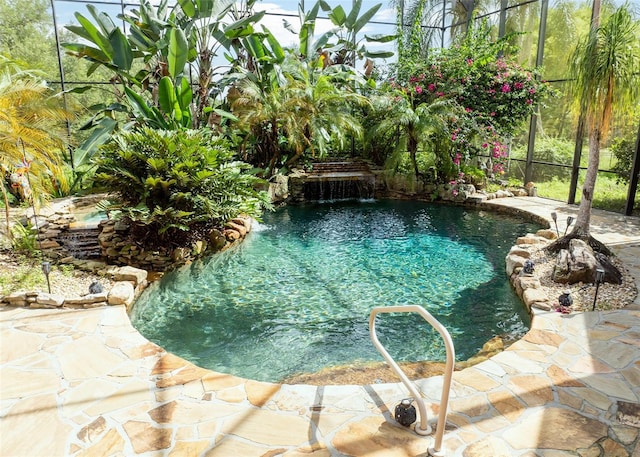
<point x="526" y="284"/>
<point x="118" y="249"/>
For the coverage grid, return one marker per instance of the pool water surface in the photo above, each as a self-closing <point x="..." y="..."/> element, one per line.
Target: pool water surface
<point x="295" y="296"/>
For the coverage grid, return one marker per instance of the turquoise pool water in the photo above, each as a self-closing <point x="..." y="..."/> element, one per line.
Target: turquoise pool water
<point x="296" y="295"/>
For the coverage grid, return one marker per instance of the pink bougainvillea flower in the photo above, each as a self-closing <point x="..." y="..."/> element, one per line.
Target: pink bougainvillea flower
<point x="505" y="88"/>
<point x="532" y="91"/>
<point x="418" y="90"/>
<point x="529" y="101"/>
<point x="431" y="87"/>
<point x="468" y="110"/>
<point x="518" y="85"/>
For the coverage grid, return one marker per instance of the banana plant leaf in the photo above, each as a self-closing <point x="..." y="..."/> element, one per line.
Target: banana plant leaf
<point x="338" y="16"/>
<point x="380" y="38"/>
<point x="83" y="153"/>
<point x="378" y="54"/>
<point x="188" y="7"/>
<point x="102" y="19"/>
<point x="166" y="96"/>
<point x="122" y="55"/>
<point x="89" y="32"/>
<point x="274" y="44"/>
<point x="365" y="18"/>
<point x="178" y="52"/>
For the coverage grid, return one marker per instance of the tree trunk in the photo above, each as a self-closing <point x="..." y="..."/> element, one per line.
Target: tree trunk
<point x="412" y="146"/>
<point x="6" y="208"/>
<point x="583" y="221"/>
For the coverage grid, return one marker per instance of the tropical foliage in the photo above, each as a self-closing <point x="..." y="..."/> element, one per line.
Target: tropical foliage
<point x="606" y="71"/>
<point x="489" y="97"/>
<point x="304" y="111"/>
<point x="154" y="62"/>
<point x="623" y="149"/>
<point x="171" y="181"/>
<point x="31" y="136"/>
<point x="343" y="44"/>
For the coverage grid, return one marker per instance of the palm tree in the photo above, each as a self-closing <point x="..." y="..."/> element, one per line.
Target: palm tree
<point x="31" y="133"/>
<point x="606" y="68"/>
<point x="425" y="124"/>
<point x="303" y="105"/>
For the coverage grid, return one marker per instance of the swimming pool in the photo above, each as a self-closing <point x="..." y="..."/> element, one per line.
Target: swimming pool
<point x="296" y="295"/>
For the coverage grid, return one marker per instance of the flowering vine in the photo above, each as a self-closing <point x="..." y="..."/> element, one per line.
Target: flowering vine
<point x="495" y="94"/>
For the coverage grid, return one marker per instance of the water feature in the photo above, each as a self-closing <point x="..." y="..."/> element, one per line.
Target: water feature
<point x="337" y="180"/>
<point x="296" y="295"/>
<point x="81" y="242"/>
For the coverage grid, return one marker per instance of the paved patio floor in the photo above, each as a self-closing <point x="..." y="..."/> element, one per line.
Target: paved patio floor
<point x="85" y="383"/>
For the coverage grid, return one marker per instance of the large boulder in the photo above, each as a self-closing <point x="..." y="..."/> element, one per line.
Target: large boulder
<point x="512" y="262"/>
<point x="279" y="188"/>
<point x="217" y="240"/>
<point x="611" y="273"/>
<point x="577" y="264"/>
<point x="122" y="293"/>
<point x="128" y="273"/>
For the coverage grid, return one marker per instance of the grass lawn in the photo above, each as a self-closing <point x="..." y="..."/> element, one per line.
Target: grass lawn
<point x="608" y="194"/>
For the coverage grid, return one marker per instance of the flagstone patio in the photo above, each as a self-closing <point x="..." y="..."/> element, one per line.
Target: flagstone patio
<point x="86" y="383"/>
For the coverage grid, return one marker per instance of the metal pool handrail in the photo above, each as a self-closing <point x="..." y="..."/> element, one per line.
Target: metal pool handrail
<point x="424" y="428"/>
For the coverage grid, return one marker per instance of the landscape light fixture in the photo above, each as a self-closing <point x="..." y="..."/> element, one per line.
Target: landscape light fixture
<point x="554" y="216"/>
<point x="565" y="300"/>
<point x="528" y="267"/>
<point x="46" y="269"/>
<point x="599" y="280"/>
<point x="570" y="220"/>
<point x="405" y="412"/>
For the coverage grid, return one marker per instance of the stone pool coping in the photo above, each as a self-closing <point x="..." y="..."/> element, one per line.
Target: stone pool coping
<point x="84" y="382"/>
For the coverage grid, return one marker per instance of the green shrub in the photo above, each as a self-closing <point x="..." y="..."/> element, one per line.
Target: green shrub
<point x="170" y="182"/>
<point x="623" y="149"/>
<point x="550" y="150"/>
<point x="24" y="239"/>
<point x="474" y="175"/>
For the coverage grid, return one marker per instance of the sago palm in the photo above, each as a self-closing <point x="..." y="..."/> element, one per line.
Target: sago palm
<point x="31" y="138"/>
